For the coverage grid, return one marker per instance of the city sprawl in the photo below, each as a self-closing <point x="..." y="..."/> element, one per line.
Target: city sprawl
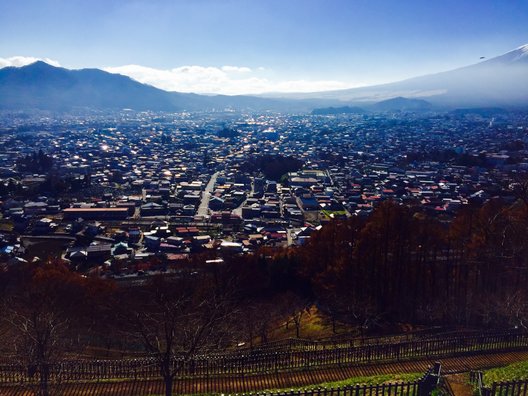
<point x="128" y="194"/>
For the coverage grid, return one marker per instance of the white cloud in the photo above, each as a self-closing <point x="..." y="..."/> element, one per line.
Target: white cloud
<point x="19" y="61"/>
<point x="237" y="69"/>
<point x="228" y="80"/>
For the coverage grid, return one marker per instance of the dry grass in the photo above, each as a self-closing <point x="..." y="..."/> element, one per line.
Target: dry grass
<point x="314" y="325"/>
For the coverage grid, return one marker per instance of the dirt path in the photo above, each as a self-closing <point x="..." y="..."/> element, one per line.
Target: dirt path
<point x="458" y="383"/>
<point x="253" y="383"/>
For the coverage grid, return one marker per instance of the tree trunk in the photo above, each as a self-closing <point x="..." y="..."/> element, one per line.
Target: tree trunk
<point x="165" y="370"/>
<point x="297" y="319"/>
<point x="44" y="380"/>
<point x="264" y="335"/>
<point x="251" y="335"/>
<point x="297" y="327"/>
<point x="168" y="385"/>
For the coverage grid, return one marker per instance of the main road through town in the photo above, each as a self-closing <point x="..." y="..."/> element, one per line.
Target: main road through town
<point x="203" y="209"/>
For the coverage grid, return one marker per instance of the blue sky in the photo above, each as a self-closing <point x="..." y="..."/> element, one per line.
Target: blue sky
<point x="268" y="45"/>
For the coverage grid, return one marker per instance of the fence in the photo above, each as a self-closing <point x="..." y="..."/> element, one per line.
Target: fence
<point x="510" y="388"/>
<point x="396" y="389"/>
<point x="255" y="363"/>
<point x="308" y="353"/>
<point x="503" y="388"/>
<point x="348" y="341"/>
<point x="476" y="378"/>
<point x="421" y="387"/>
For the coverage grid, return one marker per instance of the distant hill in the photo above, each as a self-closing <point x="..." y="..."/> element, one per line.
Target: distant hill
<point x="402" y="104"/>
<point x="42" y="86"/>
<point x="46" y="87"/>
<point x="500" y="81"/>
<point x="338" y="110"/>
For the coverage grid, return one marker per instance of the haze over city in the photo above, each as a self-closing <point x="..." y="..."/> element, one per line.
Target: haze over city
<point x="248" y="47"/>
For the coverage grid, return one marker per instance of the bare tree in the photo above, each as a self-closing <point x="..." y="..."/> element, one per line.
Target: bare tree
<point x="295" y="308"/>
<point x="509" y="308"/>
<point x="253" y="321"/>
<point x="257" y="318"/>
<point x="38" y="337"/>
<point x="37" y="313"/>
<point x="174" y="319"/>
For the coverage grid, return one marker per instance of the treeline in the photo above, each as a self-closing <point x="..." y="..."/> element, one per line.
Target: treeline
<point x="400" y="265"/>
<point x="37" y="162"/>
<point x="228" y="133"/>
<point x="53" y="185"/>
<point x="273" y="166"/>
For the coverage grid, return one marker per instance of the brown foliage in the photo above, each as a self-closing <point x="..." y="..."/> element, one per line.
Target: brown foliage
<point x="405" y="266"/>
<point x="44" y="308"/>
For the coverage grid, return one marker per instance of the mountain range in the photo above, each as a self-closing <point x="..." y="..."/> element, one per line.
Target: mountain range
<point x="500" y="81"/>
<point x="42" y="86"/>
